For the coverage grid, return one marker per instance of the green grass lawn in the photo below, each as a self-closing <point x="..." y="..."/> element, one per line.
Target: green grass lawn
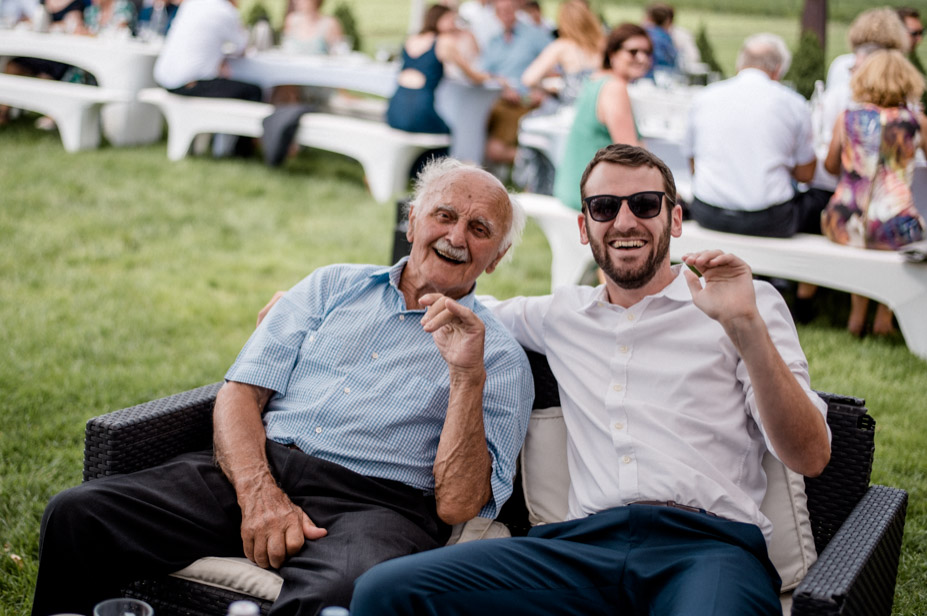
<point x="124" y="277"/>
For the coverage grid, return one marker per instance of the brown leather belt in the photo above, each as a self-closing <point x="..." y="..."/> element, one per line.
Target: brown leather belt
<point x="676" y="505"/>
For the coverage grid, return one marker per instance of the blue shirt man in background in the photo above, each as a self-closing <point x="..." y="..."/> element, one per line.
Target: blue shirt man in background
<point x="506" y="56"/>
<point x="372" y="408"/>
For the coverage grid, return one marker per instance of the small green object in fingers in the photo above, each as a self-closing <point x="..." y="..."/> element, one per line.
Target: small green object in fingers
<point x="694" y="270"/>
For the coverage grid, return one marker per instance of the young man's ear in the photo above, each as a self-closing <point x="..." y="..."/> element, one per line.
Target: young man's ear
<point x="581" y="221"/>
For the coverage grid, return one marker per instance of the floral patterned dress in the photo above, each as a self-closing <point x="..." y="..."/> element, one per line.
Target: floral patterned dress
<point x="873" y="206"/>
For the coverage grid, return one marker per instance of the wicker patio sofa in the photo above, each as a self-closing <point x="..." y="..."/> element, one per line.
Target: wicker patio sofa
<point x="857" y="527"/>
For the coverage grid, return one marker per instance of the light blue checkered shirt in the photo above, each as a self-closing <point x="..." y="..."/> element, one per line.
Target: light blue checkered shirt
<point x="361" y="384"/>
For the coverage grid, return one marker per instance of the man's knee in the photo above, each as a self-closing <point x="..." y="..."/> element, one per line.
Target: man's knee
<point x="385" y="589"/>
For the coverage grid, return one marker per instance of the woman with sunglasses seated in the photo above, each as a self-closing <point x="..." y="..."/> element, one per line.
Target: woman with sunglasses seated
<point x="603" y="108"/>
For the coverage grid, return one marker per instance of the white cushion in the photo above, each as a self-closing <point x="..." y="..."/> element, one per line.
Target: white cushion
<point x="546" y="482"/>
<point x="242" y="575"/>
<point x="235" y="574"/>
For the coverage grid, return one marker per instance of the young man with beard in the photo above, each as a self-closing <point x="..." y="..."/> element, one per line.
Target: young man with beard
<point x="672" y="387"/>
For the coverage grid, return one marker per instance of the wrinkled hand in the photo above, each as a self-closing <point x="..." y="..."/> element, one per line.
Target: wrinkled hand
<point x="270" y="304"/>
<point x="273" y="528"/>
<point x="728" y="293"/>
<point x="457" y="332"/>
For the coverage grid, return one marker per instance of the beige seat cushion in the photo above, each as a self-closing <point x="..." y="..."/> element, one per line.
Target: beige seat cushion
<point x="546" y="481"/>
<point x="243" y="576"/>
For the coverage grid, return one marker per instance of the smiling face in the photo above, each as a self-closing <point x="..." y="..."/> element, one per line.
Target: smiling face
<point x="630" y="61"/>
<point x="632" y="252"/>
<point x="457" y="233"/>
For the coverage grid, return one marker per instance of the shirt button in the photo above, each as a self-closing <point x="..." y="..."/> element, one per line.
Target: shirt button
<point x="402" y="317"/>
<point x="630" y="316"/>
<point x="626" y="459"/>
<point x="347" y="390"/>
<point x="617" y="387"/>
<point x="623" y="348"/>
<point x="619" y="425"/>
<point x="312" y="338"/>
<point x="318" y="430"/>
<point x="374" y="355"/>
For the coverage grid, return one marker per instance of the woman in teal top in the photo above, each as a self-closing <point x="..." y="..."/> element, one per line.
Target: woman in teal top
<point x="603" y="108"/>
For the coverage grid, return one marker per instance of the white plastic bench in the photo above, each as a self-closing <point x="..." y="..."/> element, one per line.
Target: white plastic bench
<point x="882" y="275"/>
<point x="74" y="107"/>
<point x="386" y="154"/>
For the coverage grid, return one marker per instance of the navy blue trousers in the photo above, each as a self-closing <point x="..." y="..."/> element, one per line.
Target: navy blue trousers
<point x="638" y="559"/>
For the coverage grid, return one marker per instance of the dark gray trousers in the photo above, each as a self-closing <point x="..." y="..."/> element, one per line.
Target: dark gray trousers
<point x="102" y="534"/>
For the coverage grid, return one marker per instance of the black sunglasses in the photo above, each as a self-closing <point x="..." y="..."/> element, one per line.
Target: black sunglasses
<point x="917" y="33"/>
<point x="646" y="204"/>
<point x="645" y="52"/>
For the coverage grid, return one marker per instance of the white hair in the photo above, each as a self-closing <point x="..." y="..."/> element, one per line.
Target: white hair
<point x="765" y="51"/>
<point x="431" y="179"/>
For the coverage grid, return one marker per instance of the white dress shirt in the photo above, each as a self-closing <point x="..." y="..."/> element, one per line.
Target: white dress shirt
<point x="657" y="402"/>
<point x="746" y="135"/>
<point x="202" y="34"/>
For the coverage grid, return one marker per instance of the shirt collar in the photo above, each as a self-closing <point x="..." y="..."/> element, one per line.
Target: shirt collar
<point x="677" y="291"/>
<point x="394" y="273"/>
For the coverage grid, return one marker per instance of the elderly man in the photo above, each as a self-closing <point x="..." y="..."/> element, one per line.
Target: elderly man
<point x="372" y="408"/>
<point x="672" y="390"/>
<point x="748" y="139"/>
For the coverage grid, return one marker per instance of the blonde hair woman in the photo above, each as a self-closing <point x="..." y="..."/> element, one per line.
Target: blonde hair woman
<point x="574" y="55"/>
<point x="873" y="151"/>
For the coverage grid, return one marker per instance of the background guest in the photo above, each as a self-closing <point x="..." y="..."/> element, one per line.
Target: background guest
<point x="424" y="55"/>
<point x="574" y="55"/>
<point x="748" y="138"/>
<point x="873" y="150"/>
<point x="307" y="31"/>
<point x="506" y="56"/>
<point x="603" y="109"/>
<point x="658" y="20"/>
<point x="881" y="27"/>
<point x="109" y="17"/>
<point x="192" y="59"/>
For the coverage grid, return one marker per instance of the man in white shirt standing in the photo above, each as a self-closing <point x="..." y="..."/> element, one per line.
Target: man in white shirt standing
<point x="672" y="387"/>
<point x="749" y="138"/>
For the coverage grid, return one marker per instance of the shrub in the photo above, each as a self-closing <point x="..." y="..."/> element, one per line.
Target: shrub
<point x="345" y="15"/>
<point x="706" y="51"/>
<point x="808" y="64"/>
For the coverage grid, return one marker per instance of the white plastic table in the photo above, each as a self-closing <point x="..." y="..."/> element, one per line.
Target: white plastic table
<point x="119" y="64"/>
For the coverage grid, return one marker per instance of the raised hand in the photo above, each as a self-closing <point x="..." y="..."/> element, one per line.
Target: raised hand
<point x="457" y="332"/>
<point x="728" y="292"/>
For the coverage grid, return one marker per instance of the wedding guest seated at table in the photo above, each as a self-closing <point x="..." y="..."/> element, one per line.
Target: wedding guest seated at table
<point x="658" y="21"/>
<point x="748" y="139"/>
<point x="603" y="109"/>
<point x="873" y="150"/>
<point x="569" y="59"/>
<point x="574" y="55"/>
<point x="880" y="27"/>
<point x="155" y="18"/>
<point x="424" y="55"/>
<point x="506" y="56"/>
<point x="307" y="31"/>
<point x="192" y="59"/>
<point x="534" y="14"/>
<point x="104" y="17"/>
<point x="870" y="31"/>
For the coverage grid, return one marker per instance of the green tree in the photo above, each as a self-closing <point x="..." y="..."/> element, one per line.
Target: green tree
<point x="706" y="51"/>
<point x="345" y="15"/>
<point x="808" y="64"/>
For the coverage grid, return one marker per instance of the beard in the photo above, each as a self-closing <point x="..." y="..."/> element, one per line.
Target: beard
<point x="631" y="277"/>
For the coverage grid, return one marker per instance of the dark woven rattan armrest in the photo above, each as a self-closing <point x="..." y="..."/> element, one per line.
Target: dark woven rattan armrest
<point x="856" y="572"/>
<point x="148" y="434"/>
